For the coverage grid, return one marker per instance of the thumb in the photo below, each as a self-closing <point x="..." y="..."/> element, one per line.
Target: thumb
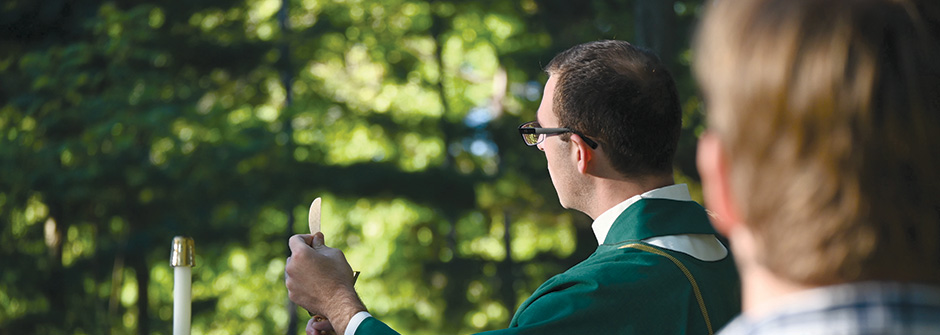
<point x="317" y="241"/>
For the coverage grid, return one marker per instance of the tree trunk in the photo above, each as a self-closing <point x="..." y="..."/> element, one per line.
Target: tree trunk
<point x="57" y="291"/>
<point x="142" y="271"/>
<point x="507" y="274"/>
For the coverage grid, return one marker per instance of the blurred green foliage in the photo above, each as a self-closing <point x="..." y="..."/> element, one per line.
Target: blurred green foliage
<point x="124" y="123"/>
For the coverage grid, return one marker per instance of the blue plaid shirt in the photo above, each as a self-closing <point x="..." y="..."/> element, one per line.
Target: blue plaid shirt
<point x="850" y="309"/>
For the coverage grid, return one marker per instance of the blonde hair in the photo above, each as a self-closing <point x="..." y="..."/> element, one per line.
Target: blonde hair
<point x="830" y="114"/>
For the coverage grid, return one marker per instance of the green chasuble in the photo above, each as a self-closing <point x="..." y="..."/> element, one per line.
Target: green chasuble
<point x="629" y="287"/>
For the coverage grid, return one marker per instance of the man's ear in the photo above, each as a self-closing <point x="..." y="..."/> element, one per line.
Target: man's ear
<point x="582" y="152"/>
<point x="716" y="184"/>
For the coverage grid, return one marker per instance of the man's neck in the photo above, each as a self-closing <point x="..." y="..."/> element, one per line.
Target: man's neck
<point x="610" y="192"/>
<point x="761" y="289"/>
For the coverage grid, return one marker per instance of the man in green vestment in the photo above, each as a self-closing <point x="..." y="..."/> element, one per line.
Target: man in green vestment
<point x="609" y="125"/>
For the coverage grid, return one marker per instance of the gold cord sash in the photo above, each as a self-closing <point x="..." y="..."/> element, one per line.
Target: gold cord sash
<point x="688" y="274"/>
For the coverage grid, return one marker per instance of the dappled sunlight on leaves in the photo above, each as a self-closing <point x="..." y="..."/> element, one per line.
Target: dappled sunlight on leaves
<point x="126" y="124"/>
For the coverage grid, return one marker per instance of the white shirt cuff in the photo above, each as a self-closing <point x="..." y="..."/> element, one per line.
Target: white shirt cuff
<point x="355" y="321"/>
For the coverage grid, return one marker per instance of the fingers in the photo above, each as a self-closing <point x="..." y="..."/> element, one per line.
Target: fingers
<point x="317" y="325"/>
<point x="310" y="330"/>
<point x="322" y="326"/>
<point x="317" y="241"/>
<point x="286" y="264"/>
<point x="299" y="242"/>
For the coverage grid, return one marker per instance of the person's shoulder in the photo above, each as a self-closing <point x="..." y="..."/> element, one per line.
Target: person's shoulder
<point x="623" y="262"/>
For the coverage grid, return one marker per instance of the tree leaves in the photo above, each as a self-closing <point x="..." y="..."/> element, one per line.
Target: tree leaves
<point x="123" y="124"/>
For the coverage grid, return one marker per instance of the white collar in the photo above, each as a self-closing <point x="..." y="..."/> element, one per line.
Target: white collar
<point x="604" y="221"/>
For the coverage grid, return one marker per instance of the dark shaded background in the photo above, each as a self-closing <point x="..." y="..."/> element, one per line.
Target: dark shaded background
<point x="125" y="123"/>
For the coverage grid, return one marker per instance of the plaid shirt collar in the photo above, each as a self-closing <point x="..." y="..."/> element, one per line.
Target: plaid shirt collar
<point x="857" y="308"/>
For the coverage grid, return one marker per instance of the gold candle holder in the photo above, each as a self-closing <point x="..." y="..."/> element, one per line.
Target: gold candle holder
<point x="183" y="252"/>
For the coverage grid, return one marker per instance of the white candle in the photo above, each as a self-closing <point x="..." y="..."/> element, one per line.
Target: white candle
<point x="182" y="299"/>
<point x="182" y="259"/>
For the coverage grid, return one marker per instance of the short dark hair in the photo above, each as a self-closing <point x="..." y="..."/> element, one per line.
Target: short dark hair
<point x="623" y="97"/>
